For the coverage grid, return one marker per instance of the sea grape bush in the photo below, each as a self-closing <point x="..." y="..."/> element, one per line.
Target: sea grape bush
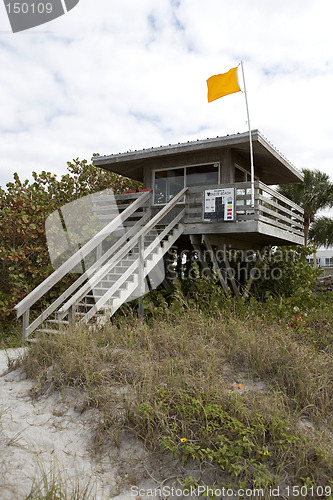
<point x="24" y="207"/>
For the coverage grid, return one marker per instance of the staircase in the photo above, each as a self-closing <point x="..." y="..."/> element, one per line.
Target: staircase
<point x="118" y="275"/>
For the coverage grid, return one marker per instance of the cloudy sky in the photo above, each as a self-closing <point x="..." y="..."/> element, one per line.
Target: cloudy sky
<point x="110" y="76"/>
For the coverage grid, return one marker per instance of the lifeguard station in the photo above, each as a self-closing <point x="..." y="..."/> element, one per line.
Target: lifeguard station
<point x="195" y="194"/>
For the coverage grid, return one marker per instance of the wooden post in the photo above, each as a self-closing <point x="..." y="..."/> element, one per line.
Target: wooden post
<point x="99" y="252"/>
<point x="71" y="313"/>
<point x="194" y="238"/>
<point x="141" y="275"/>
<point x="231" y="276"/>
<point x="249" y="283"/>
<point x="206" y="241"/>
<point x="25" y="324"/>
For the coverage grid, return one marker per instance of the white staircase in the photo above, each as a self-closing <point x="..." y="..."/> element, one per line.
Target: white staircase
<point x="118" y="275"/>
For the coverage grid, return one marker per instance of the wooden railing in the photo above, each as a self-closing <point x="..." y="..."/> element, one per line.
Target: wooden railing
<point x="136" y="205"/>
<point x="270" y="206"/>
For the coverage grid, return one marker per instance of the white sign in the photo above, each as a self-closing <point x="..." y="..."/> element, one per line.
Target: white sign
<point x="219" y="204"/>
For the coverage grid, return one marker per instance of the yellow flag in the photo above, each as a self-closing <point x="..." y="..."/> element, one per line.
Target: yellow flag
<point x="221" y="85"/>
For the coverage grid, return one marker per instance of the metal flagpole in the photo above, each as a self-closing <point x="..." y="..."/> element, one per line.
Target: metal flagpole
<point x="250" y="136"/>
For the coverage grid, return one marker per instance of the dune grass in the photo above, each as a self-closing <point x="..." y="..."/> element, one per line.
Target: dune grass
<point x="172" y="381"/>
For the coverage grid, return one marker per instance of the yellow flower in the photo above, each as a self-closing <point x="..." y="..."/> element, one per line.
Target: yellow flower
<point x="266" y="452"/>
<point x="314" y="341"/>
<point x="183" y="440"/>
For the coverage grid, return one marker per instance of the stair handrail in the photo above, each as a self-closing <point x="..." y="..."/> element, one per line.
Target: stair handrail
<point x="85" y="276"/>
<point x="131" y="269"/>
<point x="24" y="305"/>
<point x="122" y="252"/>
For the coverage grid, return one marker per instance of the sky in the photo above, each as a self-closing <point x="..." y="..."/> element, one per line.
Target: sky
<point x="112" y="76"/>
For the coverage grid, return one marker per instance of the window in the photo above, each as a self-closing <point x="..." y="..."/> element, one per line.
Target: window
<point x="167" y="183"/>
<point x="202" y="175"/>
<point x="241" y="175"/>
<point x="328" y="261"/>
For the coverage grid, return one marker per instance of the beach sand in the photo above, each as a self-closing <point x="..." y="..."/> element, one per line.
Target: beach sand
<point x="47" y="437"/>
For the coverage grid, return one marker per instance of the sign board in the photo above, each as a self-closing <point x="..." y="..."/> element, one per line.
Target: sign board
<point x="219" y="205"/>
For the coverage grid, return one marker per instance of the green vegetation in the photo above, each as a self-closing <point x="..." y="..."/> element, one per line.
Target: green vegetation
<point x="321" y="232"/>
<point x="172" y="381"/>
<point x="24" y="207"/>
<point x="242" y="388"/>
<point x="53" y="485"/>
<point x="315" y="193"/>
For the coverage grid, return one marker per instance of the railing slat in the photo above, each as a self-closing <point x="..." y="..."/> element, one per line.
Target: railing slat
<point x="276" y="194"/>
<point x="280" y="207"/>
<point x="275" y="223"/>
<point x="278" y="216"/>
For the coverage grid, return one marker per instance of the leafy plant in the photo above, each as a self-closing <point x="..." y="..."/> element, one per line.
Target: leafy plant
<point x="24" y="207"/>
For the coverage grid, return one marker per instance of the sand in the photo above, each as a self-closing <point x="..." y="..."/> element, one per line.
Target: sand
<point x="46" y="437"/>
<point x="49" y="439"/>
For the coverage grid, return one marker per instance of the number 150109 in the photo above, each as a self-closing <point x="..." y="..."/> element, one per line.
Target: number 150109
<point x="29" y="8"/>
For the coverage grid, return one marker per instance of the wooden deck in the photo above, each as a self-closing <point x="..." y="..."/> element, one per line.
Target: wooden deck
<point x="274" y="220"/>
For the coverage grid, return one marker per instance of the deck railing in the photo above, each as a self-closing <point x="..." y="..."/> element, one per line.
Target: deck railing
<point x="270" y="206"/>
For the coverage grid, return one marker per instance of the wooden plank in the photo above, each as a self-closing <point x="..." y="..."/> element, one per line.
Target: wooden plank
<point x="244" y="197"/>
<point x="245" y="217"/>
<point x="280" y="207"/>
<point x="278" y="195"/>
<point x="277" y="224"/>
<point x="141" y="274"/>
<point x="231" y="276"/>
<point x="290" y="225"/>
<point x="246" y="292"/>
<point x="237" y="185"/>
<point x="136" y="215"/>
<point x="194" y="210"/>
<point x="128" y="196"/>
<point x="280" y="217"/>
<point x="281" y="234"/>
<point x="106" y="198"/>
<point x="25" y="324"/>
<point x="195" y="241"/>
<point x="246" y="207"/>
<point x="192" y="220"/>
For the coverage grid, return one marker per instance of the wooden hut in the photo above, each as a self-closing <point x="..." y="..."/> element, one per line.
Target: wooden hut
<point x="195" y="195"/>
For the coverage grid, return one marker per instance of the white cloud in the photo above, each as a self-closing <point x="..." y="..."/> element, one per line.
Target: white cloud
<point x="113" y="76"/>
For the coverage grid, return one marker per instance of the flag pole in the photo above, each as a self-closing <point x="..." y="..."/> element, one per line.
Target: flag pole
<point x="250" y="137"/>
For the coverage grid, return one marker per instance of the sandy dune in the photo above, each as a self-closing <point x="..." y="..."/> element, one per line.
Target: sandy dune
<point x="46" y="435"/>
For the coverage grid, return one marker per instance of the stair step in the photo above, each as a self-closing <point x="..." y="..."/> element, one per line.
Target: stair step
<point x="100" y="295"/>
<point x="47" y="330"/>
<point x="58" y="321"/>
<point x="102" y="310"/>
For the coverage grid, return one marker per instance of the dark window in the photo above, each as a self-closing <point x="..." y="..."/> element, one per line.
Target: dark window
<point x="202" y="175"/>
<point x="167" y="184"/>
<point x="241" y="175"/>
